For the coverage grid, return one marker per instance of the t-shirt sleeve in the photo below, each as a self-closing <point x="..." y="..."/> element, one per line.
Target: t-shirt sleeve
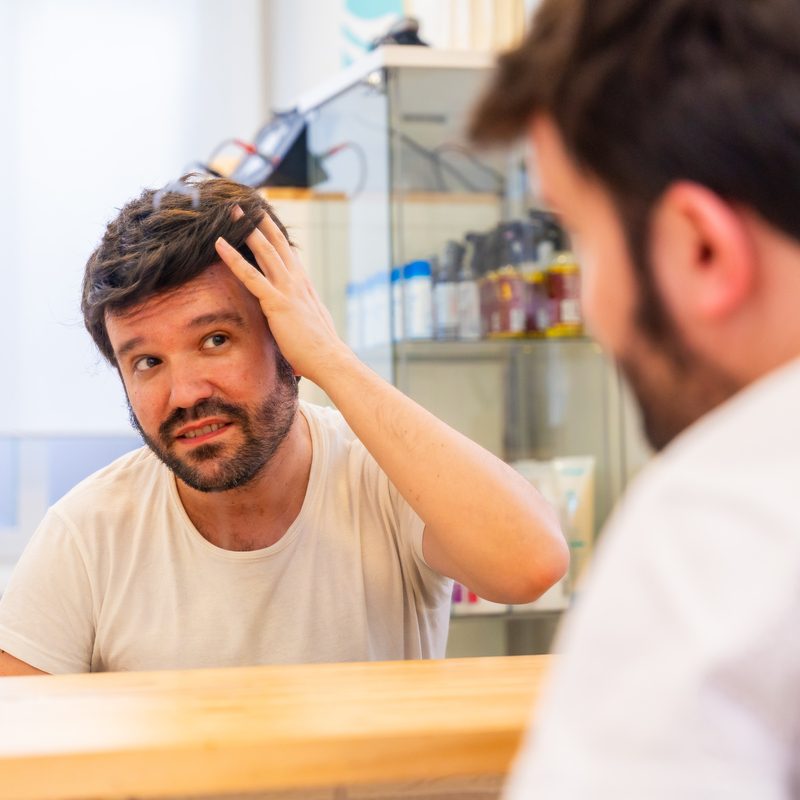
<point x="401" y="522"/>
<point x="47" y="617"/>
<point x="411" y="530"/>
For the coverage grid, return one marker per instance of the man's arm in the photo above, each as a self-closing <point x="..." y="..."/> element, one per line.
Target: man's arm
<point x="485" y="525"/>
<point x="10" y="666"/>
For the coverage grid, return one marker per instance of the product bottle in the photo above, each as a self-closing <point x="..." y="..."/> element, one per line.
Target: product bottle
<point x="469" y="302"/>
<point x="536" y="303"/>
<point x="477" y="268"/>
<point x="396" y="281"/>
<point x="417" y="300"/>
<point x="381" y="309"/>
<point x="564" y="291"/>
<point x="490" y="299"/>
<point x="509" y="319"/>
<point x="445" y="292"/>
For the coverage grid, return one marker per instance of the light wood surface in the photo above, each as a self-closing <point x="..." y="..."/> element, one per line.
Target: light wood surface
<point x="262" y="728"/>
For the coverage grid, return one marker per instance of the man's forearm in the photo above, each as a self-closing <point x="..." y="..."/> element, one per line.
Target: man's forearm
<point x="485" y="525"/>
<point x="11" y="666"/>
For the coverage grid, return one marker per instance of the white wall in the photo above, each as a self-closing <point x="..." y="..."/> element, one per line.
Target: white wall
<point x="304" y="47"/>
<point x="99" y="101"/>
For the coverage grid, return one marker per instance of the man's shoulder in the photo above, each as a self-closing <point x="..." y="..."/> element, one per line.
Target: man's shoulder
<point x="325" y="418"/>
<point x="331" y="436"/>
<point x="340" y="458"/>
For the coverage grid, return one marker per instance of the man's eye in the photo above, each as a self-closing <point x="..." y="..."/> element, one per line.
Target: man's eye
<point x="145" y="363"/>
<point x="215" y="340"/>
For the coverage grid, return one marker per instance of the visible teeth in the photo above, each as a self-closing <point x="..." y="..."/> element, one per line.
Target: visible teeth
<point x="201" y="431"/>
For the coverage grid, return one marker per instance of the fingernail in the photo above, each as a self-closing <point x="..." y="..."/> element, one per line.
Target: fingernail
<point x="237" y="212"/>
<point x="222" y="243"/>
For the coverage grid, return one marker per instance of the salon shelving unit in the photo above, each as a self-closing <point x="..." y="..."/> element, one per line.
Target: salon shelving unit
<point x="386" y="135"/>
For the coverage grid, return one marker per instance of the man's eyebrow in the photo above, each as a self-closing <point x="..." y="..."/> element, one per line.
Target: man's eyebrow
<point x="131" y="344"/>
<point x="212" y="318"/>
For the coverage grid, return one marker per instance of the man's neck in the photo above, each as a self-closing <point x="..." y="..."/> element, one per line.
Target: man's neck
<point x="259" y="514"/>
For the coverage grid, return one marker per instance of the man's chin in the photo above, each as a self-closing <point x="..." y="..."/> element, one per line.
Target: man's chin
<point x="197" y="471"/>
<point x="211" y="481"/>
<point x="202" y="453"/>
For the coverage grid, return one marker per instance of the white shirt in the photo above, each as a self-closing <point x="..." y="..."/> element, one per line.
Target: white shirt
<point x="680" y="672"/>
<point x="118" y="578"/>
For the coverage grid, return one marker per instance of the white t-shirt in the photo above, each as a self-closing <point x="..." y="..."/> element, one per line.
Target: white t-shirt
<point x="680" y="668"/>
<point x="117" y="578"/>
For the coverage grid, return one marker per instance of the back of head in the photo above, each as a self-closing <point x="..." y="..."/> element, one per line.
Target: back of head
<point x="162" y="240"/>
<point x="647" y="92"/>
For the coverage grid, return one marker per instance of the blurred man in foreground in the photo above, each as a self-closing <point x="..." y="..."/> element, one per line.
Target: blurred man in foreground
<point x="667" y="135"/>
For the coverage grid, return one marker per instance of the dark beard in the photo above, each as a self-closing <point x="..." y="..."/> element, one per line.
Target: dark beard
<point x="674" y="385"/>
<point x="673" y="394"/>
<point x="263" y="431"/>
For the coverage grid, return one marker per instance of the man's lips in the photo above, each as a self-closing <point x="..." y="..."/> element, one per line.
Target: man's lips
<point x="202" y="431"/>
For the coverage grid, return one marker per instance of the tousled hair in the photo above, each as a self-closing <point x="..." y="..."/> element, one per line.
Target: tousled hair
<point x="648" y="92"/>
<point x="162" y="240"/>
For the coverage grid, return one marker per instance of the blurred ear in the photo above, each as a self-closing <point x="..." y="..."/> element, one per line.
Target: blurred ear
<point x="702" y="253"/>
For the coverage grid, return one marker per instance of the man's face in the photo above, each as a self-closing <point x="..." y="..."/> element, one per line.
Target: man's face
<point x="673" y="385"/>
<point x="207" y="388"/>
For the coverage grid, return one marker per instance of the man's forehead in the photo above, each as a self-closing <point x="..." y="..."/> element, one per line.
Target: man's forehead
<point x="165" y="302"/>
<point x="214" y="296"/>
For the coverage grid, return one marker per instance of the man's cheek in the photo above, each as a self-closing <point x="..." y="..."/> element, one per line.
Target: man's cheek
<point x="602" y="302"/>
<point x="591" y="299"/>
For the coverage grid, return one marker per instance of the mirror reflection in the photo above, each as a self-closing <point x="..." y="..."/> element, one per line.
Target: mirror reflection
<point x="367" y="418"/>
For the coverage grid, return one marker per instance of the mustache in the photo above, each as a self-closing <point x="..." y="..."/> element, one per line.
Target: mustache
<point x="205" y="408"/>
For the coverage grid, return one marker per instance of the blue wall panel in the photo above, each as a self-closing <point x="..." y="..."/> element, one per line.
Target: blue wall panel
<point x="9" y="482"/>
<point x="71" y="459"/>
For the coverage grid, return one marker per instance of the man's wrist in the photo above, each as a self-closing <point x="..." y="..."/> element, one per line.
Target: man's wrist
<point x="334" y="366"/>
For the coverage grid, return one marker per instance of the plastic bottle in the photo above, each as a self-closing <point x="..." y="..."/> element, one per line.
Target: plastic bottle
<point x="564" y="290"/>
<point x="536" y="300"/>
<point x="367" y="293"/>
<point x="478" y="267"/>
<point x="396" y="282"/>
<point x="445" y="292"/>
<point x="417" y="300"/>
<point x="469" y="302"/>
<point x="509" y="317"/>
<point x="380" y="309"/>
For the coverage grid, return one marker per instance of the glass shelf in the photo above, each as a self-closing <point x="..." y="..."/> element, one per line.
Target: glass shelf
<point x="512" y="615"/>
<point x="482" y="349"/>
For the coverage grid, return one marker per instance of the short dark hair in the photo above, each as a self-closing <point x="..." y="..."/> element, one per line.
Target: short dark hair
<point x="162" y="240"/>
<point x="648" y="92"/>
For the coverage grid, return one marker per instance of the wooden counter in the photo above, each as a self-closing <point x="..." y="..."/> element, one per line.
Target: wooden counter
<point x="263" y="728"/>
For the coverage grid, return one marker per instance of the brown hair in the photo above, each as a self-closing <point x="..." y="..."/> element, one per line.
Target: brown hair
<point x="162" y="240"/>
<point x="647" y="92"/>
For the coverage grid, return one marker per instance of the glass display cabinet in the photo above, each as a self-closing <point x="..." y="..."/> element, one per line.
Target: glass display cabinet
<point x="447" y="278"/>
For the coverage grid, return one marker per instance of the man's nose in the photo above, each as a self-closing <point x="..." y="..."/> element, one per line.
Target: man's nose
<point x="188" y="386"/>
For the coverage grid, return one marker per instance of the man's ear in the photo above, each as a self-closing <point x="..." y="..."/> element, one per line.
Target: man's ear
<point x="702" y="254"/>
